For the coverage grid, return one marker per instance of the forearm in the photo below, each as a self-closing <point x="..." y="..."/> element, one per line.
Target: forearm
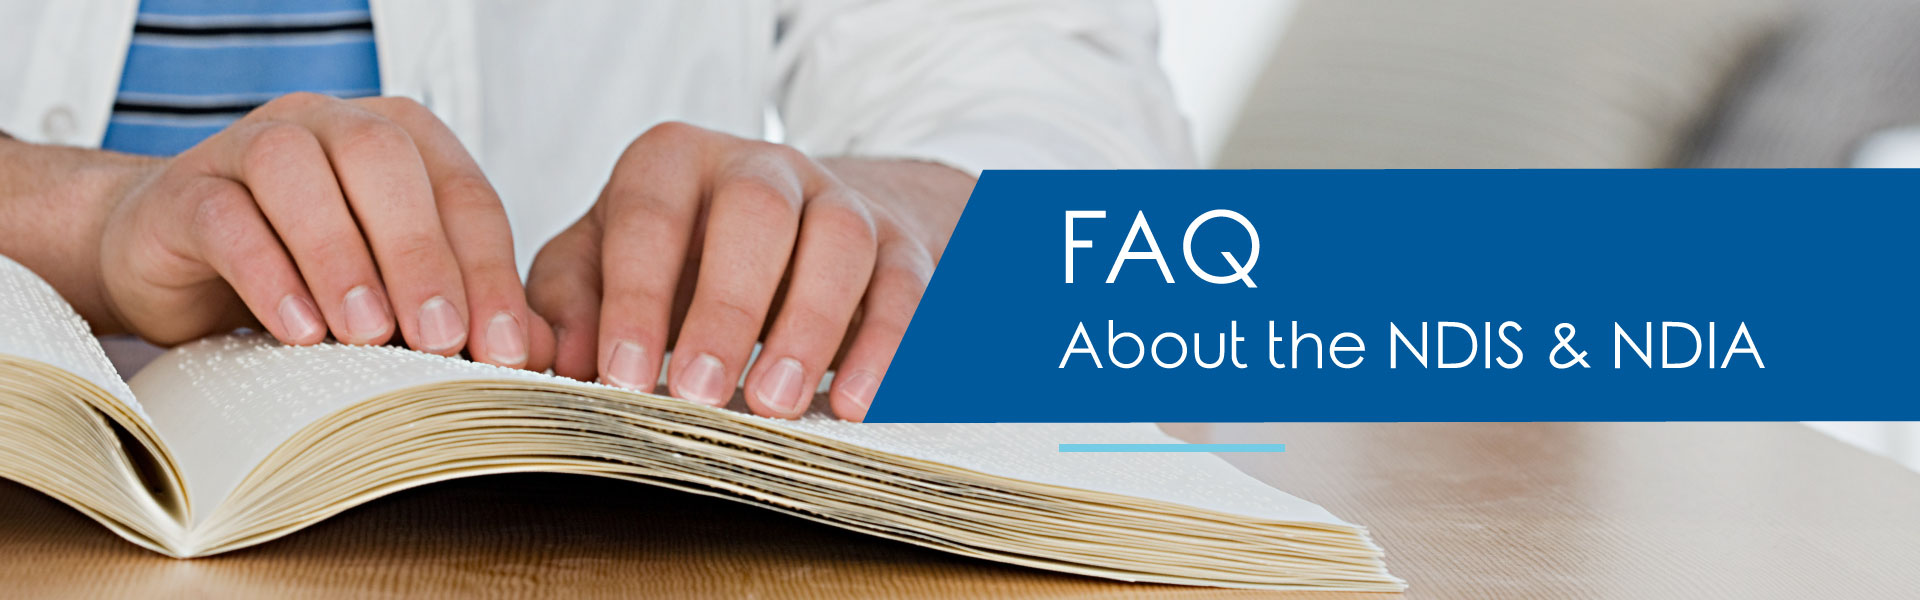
<point x="54" y="202"/>
<point x="927" y="197"/>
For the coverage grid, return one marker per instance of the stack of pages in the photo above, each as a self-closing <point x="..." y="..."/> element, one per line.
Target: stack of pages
<point x="234" y="441"/>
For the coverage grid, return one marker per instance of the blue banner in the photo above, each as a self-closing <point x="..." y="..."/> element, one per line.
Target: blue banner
<point x="1605" y="295"/>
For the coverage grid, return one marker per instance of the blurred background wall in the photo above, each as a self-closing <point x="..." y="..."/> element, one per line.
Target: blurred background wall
<point x="1554" y="83"/>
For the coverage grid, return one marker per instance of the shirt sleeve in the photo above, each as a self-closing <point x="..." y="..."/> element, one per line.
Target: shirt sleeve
<point x="984" y="84"/>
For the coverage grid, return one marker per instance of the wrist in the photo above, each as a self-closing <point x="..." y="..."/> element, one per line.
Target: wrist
<point x="54" y="206"/>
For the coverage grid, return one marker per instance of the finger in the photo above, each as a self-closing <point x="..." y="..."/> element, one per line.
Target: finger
<point x="832" y="264"/>
<point x="564" y="287"/>
<point x="476" y="227"/>
<point x="901" y="272"/>
<point x="385" y="181"/>
<point x="540" y="345"/>
<point x="236" y="240"/>
<point x="289" y="178"/>
<point x="751" y="225"/>
<point x="650" y="211"/>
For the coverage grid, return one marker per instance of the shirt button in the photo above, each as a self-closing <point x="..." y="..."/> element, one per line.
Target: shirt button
<point x="58" y="124"/>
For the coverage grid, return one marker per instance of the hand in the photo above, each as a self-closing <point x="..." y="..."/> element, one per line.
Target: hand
<point x="312" y="214"/>
<point x="699" y="235"/>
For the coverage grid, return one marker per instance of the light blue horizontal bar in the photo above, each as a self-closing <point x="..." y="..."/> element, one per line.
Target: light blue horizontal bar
<point x="1173" y="447"/>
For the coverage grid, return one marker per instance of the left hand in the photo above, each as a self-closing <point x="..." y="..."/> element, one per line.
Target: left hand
<point x="714" y="242"/>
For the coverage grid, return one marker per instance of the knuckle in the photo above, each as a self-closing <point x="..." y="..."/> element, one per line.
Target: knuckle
<point x="896" y="291"/>
<point x="634" y="301"/>
<point x="905" y="289"/>
<point x="889" y="324"/>
<point x="813" y="315"/>
<point x="629" y="286"/>
<point x="785" y="155"/>
<point x="298" y="101"/>
<point x="669" y="136"/>
<point x="272" y="143"/>
<point x="467" y="190"/>
<point x="908" y="263"/>
<point x="414" y="248"/>
<point x="759" y="197"/>
<point x="734" y="313"/>
<point x="401" y="105"/>
<point x="847" y="224"/>
<point x="622" y="192"/>
<point x="403" y="110"/>
<point x="338" y="250"/>
<point x="671" y="132"/>
<point x="374" y="138"/>
<point x="636" y="211"/>
<point x="894" y="297"/>
<point x="496" y="276"/>
<point x="219" y="218"/>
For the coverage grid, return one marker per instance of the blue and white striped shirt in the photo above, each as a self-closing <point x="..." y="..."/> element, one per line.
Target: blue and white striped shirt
<point x="197" y="65"/>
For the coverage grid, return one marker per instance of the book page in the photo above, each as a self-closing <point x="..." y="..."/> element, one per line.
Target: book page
<point x="223" y="404"/>
<point x="37" y="324"/>
<point x="1031" y="452"/>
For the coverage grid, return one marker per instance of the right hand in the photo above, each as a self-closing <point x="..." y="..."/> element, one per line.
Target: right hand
<point x="365" y="218"/>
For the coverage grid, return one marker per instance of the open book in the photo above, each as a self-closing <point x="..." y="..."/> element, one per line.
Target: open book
<point x="236" y="440"/>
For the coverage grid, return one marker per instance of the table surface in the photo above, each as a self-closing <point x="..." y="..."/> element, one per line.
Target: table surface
<point x="1626" y="510"/>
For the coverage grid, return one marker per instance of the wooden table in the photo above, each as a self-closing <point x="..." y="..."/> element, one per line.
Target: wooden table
<point x="1633" y="510"/>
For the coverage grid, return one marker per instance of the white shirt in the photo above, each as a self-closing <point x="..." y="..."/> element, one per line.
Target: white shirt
<point x="546" y="95"/>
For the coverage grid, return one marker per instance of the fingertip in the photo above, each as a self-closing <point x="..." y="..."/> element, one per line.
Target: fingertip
<point x="367" y="320"/>
<point x="779" y="389"/>
<point x="300" y="323"/>
<point x="441" y="329"/>
<point x="701" y="379"/>
<point x="852" y="394"/>
<point x="503" y="340"/>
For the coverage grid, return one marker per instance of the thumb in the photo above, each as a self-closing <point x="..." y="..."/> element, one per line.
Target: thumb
<point x="563" y="288"/>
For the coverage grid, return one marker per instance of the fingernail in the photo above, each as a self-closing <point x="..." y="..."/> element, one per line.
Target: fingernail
<point x="779" y="388"/>
<point x="299" y="318"/>
<point x="441" y="327"/>
<point x="506" y="342"/>
<point x="366" y="315"/>
<point x="704" y="381"/>
<point x="858" y="387"/>
<point x="623" y="367"/>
